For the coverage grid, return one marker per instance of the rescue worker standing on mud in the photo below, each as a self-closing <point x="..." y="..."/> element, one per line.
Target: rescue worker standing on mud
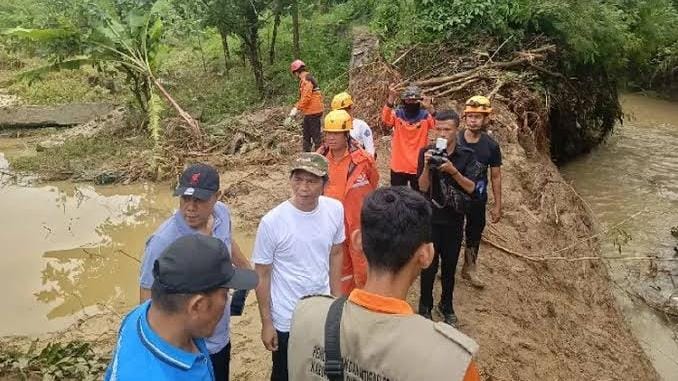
<point x="353" y="175"/>
<point x="447" y="175"/>
<point x="411" y="124"/>
<point x="488" y="153"/>
<point x="374" y="334"/>
<point x="361" y="131"/>
<point x="310" y="103"/>
<point x="297" y="252"/>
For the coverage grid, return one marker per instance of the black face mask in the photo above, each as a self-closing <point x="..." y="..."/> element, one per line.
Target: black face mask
<point x="411" y="109"/>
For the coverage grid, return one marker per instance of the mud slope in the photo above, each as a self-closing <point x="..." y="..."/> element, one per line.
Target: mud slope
<point x="550" y="320"/>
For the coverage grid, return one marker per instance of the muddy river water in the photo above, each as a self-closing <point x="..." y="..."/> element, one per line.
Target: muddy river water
<point x="70" y="250"/>
<point x="637" y="170"/>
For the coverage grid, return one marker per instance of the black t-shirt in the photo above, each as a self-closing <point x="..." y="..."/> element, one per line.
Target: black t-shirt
<point x="487" y="153"/>
<point x="448" y="198"/>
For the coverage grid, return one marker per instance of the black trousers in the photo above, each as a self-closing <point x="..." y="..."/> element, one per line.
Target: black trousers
<point x="404" y="179"/>
<point x="279" y="372"/>
<point x="221" y="362"/>
<point x="312" y="135"/>
<point x="447" y="243"/>
<point x="475" y="223"/>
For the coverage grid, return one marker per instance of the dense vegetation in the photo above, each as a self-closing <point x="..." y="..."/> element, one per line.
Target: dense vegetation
<point x="218" y="58"/>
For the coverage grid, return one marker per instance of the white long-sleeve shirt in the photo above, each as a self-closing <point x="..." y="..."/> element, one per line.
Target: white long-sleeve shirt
<point x="363" y="134"/>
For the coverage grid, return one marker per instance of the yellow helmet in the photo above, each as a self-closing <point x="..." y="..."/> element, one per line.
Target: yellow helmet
<point x="478" y="103"/>
<point x="338" y="121"/>
<point x="342" y="101"/>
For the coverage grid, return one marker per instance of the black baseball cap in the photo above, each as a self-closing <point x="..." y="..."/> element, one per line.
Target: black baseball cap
<point x="199" y="181"/>
<point x="198" y="263"/>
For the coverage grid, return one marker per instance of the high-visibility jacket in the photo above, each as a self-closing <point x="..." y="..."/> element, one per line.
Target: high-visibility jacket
<point x="362" y="177"/>
<point x="409" y="137"/>
<point x="310" y="98"/>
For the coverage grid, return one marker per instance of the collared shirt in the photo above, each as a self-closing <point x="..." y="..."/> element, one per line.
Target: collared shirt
<point x="176" y="227"/>
<point x="141" y="354"/>
<point x="379" y="303"/>
<point x="363" y="134"/>
<point x="338" y="174"/>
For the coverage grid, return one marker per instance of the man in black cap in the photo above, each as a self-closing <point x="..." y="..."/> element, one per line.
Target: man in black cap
<point x="162" y="339"/>
<point x="201" y="213"/>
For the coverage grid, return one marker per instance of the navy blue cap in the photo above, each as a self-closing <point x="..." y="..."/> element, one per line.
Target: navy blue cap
<point x="199" y="180"/>
<point x="196" y="263"/>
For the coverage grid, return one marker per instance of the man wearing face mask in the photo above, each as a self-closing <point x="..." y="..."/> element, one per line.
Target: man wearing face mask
<point x="411" y="124"/>
<point x="447" y="176"/>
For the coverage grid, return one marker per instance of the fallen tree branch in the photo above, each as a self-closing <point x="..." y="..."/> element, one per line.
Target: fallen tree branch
<point x="523" y="57"/>
<point x="458" y="88"/>
<point x="128" y="255"/>
<point x="553" y="256"/>
<point x="404" y="55"/>
<point x="496" y="89"/>
<point x="575" y="259"/>
<point x="447" y="84"/>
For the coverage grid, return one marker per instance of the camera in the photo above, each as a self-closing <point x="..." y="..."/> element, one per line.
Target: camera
<point x="438" y="154"/>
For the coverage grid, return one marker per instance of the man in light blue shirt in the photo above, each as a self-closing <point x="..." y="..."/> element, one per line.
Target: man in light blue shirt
<point x="162" y="339"/>
<point x="199" y="212"/>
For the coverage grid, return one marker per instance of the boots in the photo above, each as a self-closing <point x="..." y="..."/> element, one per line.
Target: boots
<point x="448" y="317"/>
<point x="468" y="271"/>
<point x="425" y="311"/>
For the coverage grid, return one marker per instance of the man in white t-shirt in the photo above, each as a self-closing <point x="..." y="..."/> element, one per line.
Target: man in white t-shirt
<point x="297" y="252"/>
<point x="361" y="132"/>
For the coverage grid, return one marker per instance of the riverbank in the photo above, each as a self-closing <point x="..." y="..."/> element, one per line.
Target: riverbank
<point x="534" y="320"/>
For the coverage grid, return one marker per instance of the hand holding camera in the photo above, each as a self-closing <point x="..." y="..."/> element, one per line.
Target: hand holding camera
<point x="437" y="158"/>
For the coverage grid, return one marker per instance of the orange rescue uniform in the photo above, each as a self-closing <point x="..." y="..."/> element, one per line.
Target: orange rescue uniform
<point x="310" y="98"/>
<point x="351" y="178"/>
<point x="409" y="137"/>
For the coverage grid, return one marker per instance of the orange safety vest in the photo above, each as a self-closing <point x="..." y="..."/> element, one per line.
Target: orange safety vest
<point x="310" y="98"/>
<point x="409" y="137"/>
<point x="362" y="178"/>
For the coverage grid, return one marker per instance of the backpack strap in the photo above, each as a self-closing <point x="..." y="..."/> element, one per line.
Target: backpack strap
<point x="334" y="365"/>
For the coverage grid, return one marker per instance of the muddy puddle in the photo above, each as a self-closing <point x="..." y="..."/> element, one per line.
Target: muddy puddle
<point x="72" y="250"/>
<point x="637" y="170"/>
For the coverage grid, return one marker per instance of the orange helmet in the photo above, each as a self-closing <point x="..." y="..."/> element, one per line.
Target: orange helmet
<point x="296" y="65"/>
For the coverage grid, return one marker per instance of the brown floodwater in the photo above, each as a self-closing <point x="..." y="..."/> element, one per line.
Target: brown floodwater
<point x="72" y="250"/>
<point x="637" y="170"/>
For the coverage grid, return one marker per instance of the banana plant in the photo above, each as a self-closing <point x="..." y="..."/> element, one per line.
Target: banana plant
<point x="132" y="44"/>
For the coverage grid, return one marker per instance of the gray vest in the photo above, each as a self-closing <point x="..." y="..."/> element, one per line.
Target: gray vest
<point x="377" y="346"/>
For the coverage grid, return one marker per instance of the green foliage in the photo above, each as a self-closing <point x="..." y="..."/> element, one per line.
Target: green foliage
<point x="56" y="361"/>
<point x="622" y="38"/>
<point x="70" y="86"/>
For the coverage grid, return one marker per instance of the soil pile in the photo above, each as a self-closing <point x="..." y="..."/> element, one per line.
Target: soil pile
<point x="540" y="316"/>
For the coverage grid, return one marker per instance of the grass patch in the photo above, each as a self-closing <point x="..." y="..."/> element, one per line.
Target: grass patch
<point x="70" y="86"/>
<point x="86" y="158"/>
<point x="56" y="361"/>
